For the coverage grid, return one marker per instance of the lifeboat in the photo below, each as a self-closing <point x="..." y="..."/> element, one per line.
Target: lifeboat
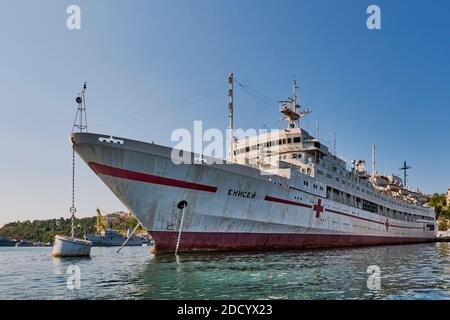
<point x="422" y="198"/>
<point x="419" y="197"/>
<point x="380" y="181"/>
<point x="393" y="187"/>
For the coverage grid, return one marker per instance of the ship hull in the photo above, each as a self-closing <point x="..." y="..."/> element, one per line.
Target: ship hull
<point x="229" y="241"/>
<point x="7" y="243"/>
<point x="101" y="241"/>
<point x="228" y="206"/>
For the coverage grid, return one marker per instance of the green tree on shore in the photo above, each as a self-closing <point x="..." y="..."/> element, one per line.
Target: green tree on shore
<point x="45" y="230"/>
<point x="442" y="209"/>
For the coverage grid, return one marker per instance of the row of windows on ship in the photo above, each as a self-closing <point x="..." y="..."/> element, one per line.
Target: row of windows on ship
<point x="328" y="175"/>
<point x="356" y="202"/>
<point x="366" y="205"/>
<point x="369" y="191"/>
<point x="268" y="144"/>
<point x="361" y="185"/>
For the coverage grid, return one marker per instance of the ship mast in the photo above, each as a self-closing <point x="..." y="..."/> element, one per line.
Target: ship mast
<point x="404" y="168"/>
<point x="374" y="168"/>
<point x="291" y="109"/>
<point x="80" y="122"/>
<point x="230" y="115"/>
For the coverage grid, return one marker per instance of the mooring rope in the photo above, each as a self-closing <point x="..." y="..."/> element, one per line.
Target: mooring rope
<point x="129" y="237"/>
<point x="179" y="231"/>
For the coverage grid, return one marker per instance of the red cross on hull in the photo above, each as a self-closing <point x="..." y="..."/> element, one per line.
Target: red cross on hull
<point x="318" y="208"/>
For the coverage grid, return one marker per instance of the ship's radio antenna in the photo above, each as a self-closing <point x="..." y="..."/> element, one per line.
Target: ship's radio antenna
<point x="317" y="129"/>
<point x="291" y="109"/>
<point x="230" y="115"/>
<point x="80" y="122"/>
<point x="294" y="90"/>
<point x="334" y="144"/>
<point x="405" y="167"/>
<point x="374" y="168"/>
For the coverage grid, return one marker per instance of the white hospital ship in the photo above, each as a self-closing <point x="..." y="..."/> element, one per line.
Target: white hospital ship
<point x="309" y="199"/>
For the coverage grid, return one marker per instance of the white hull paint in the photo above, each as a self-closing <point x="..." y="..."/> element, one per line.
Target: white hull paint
<point x="230" y="206"/>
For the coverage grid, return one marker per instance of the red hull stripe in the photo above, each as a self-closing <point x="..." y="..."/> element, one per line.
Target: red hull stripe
<point x="165" y="241"/>
<point x="370" y="220"/>
<point x="353" y="216"/>
<point x="148" y="178"/>
<point x="404" y="227"/>
<point x="293" y="203"/>
<point x="299" y="204"/>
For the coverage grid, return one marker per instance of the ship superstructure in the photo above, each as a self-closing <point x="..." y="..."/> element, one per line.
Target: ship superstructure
<point x="282" y="190"/>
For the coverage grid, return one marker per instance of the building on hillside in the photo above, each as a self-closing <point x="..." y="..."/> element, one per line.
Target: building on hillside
<point x="448" y="198"/>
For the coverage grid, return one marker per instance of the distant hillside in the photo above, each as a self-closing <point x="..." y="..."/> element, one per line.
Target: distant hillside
<point x="45" y="230"/>
<point x="442" y="209"/>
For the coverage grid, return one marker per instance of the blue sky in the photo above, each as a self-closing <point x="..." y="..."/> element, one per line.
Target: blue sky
<point x="154" y="66"/>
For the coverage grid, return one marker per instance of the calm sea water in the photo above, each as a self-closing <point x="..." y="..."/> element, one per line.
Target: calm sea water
<point x="407" y="272"/>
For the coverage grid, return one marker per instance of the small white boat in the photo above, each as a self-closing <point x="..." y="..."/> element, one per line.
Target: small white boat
<point x="71" y="247"/>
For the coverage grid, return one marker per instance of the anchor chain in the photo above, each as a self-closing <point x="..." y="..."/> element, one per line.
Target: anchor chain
<point x="73" y="209"/>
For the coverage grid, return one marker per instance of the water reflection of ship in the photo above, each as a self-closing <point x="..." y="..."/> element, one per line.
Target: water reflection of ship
<point x="106" y="237"/>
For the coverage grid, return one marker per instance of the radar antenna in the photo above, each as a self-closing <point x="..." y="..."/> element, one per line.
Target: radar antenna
<point x="291" y="109"/>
